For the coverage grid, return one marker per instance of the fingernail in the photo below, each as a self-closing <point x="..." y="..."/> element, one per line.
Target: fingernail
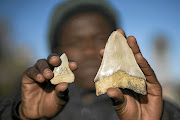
<point x="39" y="76"/>
<point x="47" y="70"/>
<point x="51" y="55"/>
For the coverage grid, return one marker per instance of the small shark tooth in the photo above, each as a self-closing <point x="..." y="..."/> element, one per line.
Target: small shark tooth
<point x="62" y="73"/>
<point x="119" y="68"/>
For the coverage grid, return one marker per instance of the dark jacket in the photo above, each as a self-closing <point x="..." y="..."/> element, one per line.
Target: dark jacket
<point x="100" y="109"/>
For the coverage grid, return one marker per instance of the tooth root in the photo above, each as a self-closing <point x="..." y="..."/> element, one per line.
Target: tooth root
<point x="119" y="68"/>
<point x="120" y="80"/>
<point x="62" y="73"/>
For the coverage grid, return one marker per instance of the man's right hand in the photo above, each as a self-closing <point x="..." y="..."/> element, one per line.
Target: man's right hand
<point x="41" y="99"/>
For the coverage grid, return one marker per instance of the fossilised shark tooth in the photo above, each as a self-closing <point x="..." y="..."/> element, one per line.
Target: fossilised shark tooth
<point x="62" y="73"/>
<point x="119" y="68"/>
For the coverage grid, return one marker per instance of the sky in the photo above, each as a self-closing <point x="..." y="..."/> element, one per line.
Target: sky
<point x="141" y="18"/>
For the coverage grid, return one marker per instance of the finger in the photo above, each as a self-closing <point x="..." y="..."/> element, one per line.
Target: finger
<point x="61" y="93"/>
<point x="34" y="75"/>
<point x="73" y="66"/>
<point x="54" y="59"/>
<point x="122" y="32"/>
<point x="146" y="68"/>
<point x="133" y="44"/>
<point x="153" y="89"/>
<point x="101" y="52"/>
<point x="44" y="68"/>
<point x="118" y="99"/>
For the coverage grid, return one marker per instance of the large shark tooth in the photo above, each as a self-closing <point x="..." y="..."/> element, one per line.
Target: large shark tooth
<point x="62" y="73"/>
<point x="119" y="68"/>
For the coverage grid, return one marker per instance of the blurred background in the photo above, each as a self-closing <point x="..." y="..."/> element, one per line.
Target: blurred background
<point x="155" y="24"/>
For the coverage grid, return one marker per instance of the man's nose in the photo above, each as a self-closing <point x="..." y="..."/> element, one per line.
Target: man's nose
<point x="89" y="48"/>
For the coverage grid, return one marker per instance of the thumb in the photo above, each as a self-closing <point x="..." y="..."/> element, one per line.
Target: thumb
<point x="61" y="94"/>
<point x="118" y="99"/>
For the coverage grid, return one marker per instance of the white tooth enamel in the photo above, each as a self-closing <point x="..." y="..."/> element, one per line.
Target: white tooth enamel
<point x="118" y="56"/>
<point x="62" y="73"/>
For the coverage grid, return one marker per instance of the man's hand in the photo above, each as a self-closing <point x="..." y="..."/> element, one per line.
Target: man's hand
<point x="132" y="106"/>
<point x="41" y="99"/>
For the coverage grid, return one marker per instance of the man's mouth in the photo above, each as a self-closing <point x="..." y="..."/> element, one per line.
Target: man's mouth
<point x="89" y="64"/>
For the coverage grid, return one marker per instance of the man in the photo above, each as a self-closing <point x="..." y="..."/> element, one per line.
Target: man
<point x="82" y="33"/>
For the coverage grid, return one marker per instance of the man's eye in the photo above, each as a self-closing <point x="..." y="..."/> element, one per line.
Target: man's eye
<point x="73" y="44"/>
<point x="76" y="44"/>
<point x="101" y="39"/>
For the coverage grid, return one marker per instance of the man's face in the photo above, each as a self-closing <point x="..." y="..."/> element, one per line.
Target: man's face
<point x="82" y="37"/>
